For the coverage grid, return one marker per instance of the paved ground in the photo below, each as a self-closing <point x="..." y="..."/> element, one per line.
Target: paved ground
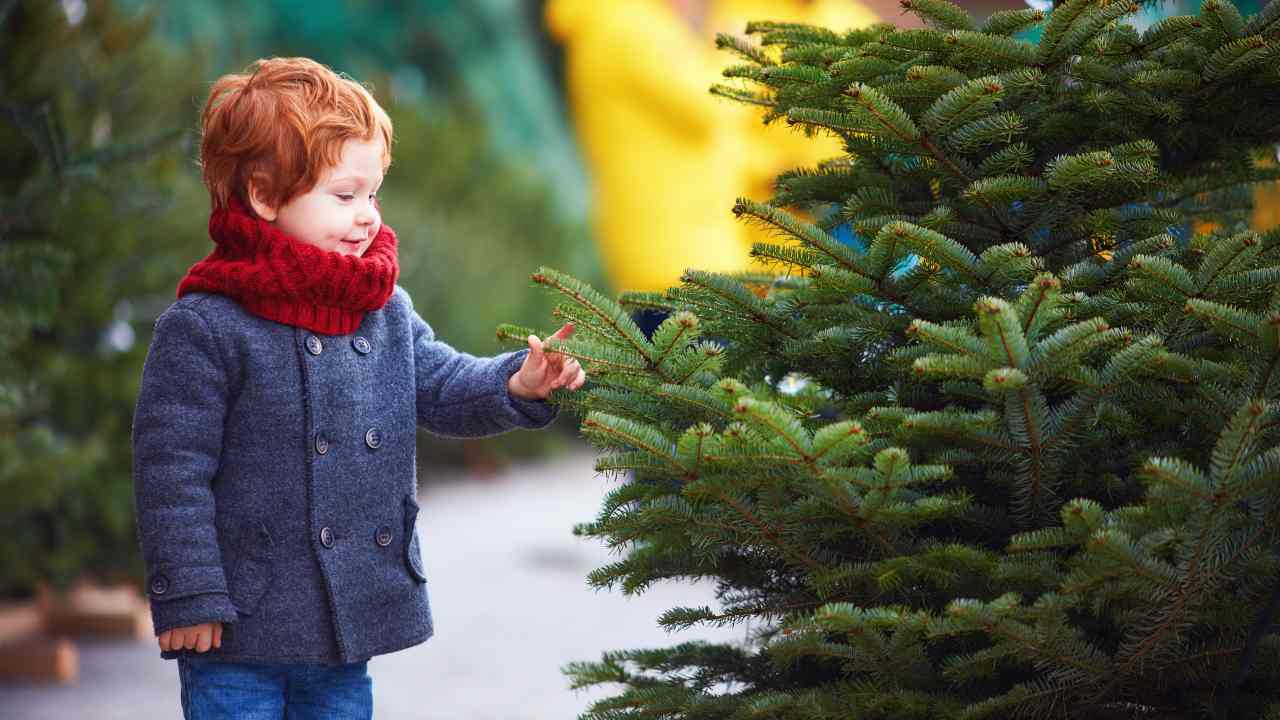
<point x="509" y="599"/>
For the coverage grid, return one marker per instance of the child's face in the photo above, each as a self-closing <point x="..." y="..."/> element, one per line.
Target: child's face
<point x="339" y="213"/>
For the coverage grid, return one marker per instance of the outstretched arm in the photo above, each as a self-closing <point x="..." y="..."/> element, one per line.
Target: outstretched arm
<point x="463" y="396"/>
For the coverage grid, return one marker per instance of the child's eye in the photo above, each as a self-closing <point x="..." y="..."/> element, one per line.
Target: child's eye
<point x="346" y="196"/>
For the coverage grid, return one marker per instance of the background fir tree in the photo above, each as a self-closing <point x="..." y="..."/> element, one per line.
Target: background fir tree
<point x="93" y="142"/>
<point x="1014" y="456"/>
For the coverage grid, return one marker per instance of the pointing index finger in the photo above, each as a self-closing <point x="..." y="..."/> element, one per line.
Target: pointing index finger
<point x="565" y="331"/>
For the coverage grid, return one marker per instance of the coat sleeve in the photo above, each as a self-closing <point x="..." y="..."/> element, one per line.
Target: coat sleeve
<point x="463" y="396"/>
<point x="177" y="445"/>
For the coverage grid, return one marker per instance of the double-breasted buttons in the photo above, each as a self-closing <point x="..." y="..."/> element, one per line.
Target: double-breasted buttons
<point x="159" y="585"/>
<point x="383" y="536"/>
<point x="361" y="345"/>
<point x="373" y="438"/>
<point x="326" y="536"/>
<point x="322" y="443"/>
<point x="314" y="346"/>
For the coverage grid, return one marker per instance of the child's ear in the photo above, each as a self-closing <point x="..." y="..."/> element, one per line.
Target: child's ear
<point x="261" y="207"/>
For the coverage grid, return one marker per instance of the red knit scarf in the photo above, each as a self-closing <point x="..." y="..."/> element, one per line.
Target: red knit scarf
<point x="278" y="277"/>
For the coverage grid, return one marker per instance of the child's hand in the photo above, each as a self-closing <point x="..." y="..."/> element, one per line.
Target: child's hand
<point x="195" y="637"/>
<point x="543" y="372"/>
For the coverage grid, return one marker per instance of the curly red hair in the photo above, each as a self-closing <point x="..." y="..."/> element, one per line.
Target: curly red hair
<point x="279" y="125"/>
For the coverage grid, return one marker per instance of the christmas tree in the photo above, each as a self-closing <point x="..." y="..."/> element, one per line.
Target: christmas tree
<point x="92" y="207"/>
<point x="993" y="433"/>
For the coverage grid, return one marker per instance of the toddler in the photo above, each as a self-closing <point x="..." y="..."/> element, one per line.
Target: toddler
<point x="274" y="454"/>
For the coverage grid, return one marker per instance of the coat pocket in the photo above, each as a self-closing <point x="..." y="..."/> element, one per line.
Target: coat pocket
<point x="252" y="572"/>
<point x="412" y="553"/>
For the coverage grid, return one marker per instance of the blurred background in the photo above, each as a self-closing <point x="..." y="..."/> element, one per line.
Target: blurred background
<point x="577" y="134"/>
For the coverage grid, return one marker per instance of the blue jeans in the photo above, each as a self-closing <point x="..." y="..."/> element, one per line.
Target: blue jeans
<point x="213" y="690"/>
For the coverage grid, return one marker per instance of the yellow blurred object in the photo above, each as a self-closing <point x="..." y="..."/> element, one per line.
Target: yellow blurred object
<point x="1266" y="200"/>
<point x="663" y="162"/>
<point x="667" y="159"/>
<point x="1266" y="206"/>
<point x="776" y="148"/>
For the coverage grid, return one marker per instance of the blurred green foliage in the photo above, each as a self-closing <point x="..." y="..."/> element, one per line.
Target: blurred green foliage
<point x="95" y="177"/>
<point x="101" y="213"/>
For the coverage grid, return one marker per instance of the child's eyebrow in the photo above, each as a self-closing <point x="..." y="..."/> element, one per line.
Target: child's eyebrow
<point x="357" y="178"/>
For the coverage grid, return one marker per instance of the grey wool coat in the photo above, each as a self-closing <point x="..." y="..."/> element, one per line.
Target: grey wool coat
<point x="274" y="474"/>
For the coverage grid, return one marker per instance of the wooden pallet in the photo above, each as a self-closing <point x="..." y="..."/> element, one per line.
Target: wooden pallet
<point x="36" y="636"/>
<point x="90" y="609"/>
<point x="19" y="619"/>
<point x="27" y="653"/>
<point x="39" y="658"/>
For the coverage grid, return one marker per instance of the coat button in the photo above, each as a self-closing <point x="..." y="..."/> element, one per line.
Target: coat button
<point x="326" y="536"/>
<point x="383" y="538"/>
<point x="373" y="438"/>
<point x="322" y="444"/>
<point x="159" y="585"/>
<point x="361" y="345"/>
<point x="314" y="346"/>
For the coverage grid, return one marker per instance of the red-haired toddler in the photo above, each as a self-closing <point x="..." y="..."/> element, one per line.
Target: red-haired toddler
<point x="274" y="436"/>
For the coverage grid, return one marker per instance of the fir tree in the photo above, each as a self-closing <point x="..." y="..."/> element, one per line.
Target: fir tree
<point x="92" y="114"/>
<point x="1012" y="456"/>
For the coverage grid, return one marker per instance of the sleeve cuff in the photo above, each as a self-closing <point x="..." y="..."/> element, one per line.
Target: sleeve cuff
<point x="192" y="610"/>
<point x="184" y="596"/>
